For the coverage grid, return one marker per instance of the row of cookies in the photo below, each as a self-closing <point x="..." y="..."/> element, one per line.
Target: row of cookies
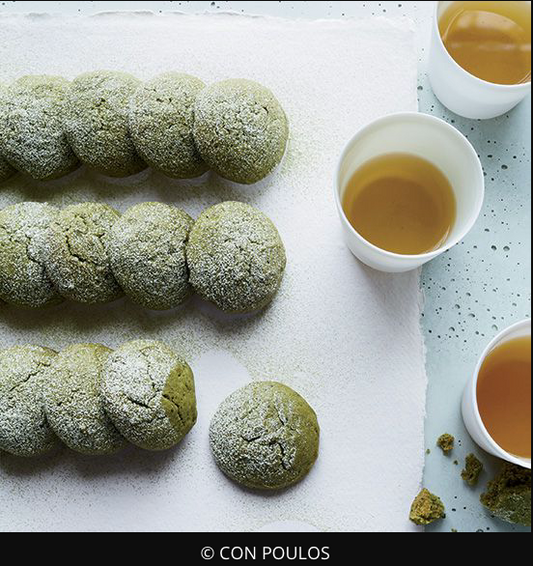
<point x="118" y="126"/>
<point x="96" y="401"/>
<point x="232" y="256"/>
<point x="93" y="399"/>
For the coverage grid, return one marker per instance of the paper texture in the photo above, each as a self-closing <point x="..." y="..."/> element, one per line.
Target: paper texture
<point x="348" y="339"/>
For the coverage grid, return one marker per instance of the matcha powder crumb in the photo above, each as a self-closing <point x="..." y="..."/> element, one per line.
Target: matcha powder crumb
<point x="446" y="443"/>
<point x="472" y="471"/>
<point x="427" y="508"/>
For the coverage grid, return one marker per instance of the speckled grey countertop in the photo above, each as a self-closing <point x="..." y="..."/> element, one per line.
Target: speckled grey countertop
<point x="480" y="287"/>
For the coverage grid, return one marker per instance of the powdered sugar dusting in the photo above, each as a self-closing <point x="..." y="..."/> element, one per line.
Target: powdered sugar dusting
<point x="32" y="124"/>
<point x="265" y="436"/>
<point x="236" y="258"/>
<point x="347" y="339"/>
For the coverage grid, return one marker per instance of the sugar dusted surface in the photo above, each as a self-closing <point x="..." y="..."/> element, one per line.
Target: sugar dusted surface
<point x="265" y="436"/>
<point x="347" y="339"/>
<point x="73" y="404"/>
<point x="133" y="389"/>
<point x="76" y="253"/>
<point x="23" y="277"/>
<point x="236" y="258"/>
<point x="161" y="124"/>
<point x="240" y="129"/>
<point x="32" y="119"/>
<point x="148" y="257"/>
<point x="23" y="424"/>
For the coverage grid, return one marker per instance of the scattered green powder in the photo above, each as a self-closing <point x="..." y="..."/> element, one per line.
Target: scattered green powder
<point x="508" y="496"/>
<point x="472" y="471"/>
<point x="446" y="443"/>
<point x="427" y="508"/>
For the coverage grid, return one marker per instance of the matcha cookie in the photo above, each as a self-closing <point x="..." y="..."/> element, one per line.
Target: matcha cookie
<point x="97" y="123"/>
<point x="149" y="394"/>
<point x="161" y="124"/>
<point x="147" y="255"/>
<point x="473" y="470"/>
<point x="23" y="278"/>
<point x="73" y="403"/>
<point x="33" y="131"/>
<point x="508" y="496"/>
<point x="427" y="509"/>
<point x="265" y="436"/>
<point x="6" y="170"/>
<point x="24" y="429"/>
<point x="240" y="130"/>
<point x="236" y="258"/>
<point x="76" y="253"/>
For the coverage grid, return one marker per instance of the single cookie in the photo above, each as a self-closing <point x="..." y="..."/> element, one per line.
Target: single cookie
<point x="24" y="429"/>
<point x="23" y="278"/>
<point x="97" y="123"/>
<point x="76" y="254"/>
<point x="241" y="130"/>
<point x="265" y="436"/>
<point x="161" y="124"/>
<point x="6" y="170"/>
<point x="33" y="129"/>
<point x="73" y="403"/>
<point x="236" y="258"/>
<point x="147" y="255"/>
<point x="149" y="394"/>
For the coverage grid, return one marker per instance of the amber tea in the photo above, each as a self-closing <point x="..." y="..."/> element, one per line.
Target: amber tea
<point x="490" y="40"/>
<point x="504" y="396"/>
<point x="401" y="203"/>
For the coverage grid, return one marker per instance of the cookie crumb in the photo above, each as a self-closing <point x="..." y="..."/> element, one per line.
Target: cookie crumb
<point x="473" y="470"/>
<point x="427" y="508"/>
<point x="446" y="443"/>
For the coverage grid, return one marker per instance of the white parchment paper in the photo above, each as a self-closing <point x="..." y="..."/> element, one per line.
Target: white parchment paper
<point x="346" y="338"/>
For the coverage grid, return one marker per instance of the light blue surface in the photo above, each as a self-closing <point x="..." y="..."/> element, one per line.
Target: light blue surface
<point x="479" y="288"/>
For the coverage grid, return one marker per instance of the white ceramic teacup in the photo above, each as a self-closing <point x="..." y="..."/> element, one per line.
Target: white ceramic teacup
<point x="431" y="139"/>
<point x="462" y="92"/>
<point x="470" y="408"/>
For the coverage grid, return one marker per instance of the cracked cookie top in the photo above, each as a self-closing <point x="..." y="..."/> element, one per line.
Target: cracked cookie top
<point x="241" y="130"/>
<point x="73" y="403"/>
<point x="149" y="394"/>
<point x="97" y="122"/>
<point x="147" y="255"/>
<point x="161" y="124"/>
<point x="236" y="258"/>
<point x="33" y="130"/>
<point x="24" y="429"/>
<point x="76" y="253"/>
<point x="265" y="436"/>
<point x="23" y="278"/>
